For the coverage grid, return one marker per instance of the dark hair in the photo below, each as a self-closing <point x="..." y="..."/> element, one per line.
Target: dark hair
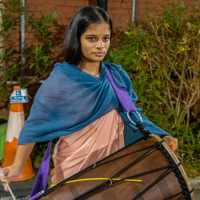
<point x="78" y="25"/>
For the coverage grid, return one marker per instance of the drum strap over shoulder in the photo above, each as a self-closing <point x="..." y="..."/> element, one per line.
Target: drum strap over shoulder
<point x="123" y="97"/>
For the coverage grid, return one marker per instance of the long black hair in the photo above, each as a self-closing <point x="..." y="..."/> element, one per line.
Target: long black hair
<point x="78" y="25"/>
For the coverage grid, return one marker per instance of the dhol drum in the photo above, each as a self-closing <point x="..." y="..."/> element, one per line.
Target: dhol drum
<point x="112" y="178"/>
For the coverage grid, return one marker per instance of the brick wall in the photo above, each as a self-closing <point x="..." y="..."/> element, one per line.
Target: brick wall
<point x="142" y="11"/>
<point x="65" y="9"/>
<point x="120" y="12"/>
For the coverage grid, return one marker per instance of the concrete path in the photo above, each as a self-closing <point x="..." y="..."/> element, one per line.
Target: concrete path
<point x="195" y="182"/>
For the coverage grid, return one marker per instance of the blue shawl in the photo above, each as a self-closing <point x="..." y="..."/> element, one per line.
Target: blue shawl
<point x="70" y="99"/>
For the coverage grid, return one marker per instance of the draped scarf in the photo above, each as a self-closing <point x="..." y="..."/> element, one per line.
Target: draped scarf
<point x="70" y="99"/>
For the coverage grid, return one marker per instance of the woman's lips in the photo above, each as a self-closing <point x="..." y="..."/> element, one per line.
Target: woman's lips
<point x="99" y="54"/>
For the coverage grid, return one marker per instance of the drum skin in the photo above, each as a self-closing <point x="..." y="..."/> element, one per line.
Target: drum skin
<point x="151" y="161"/>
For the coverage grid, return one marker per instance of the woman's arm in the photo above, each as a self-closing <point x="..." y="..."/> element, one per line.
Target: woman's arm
<point x="13" y="171"/>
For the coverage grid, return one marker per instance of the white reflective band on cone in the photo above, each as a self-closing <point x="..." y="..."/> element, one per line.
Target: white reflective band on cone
<point x="15" y="124"/>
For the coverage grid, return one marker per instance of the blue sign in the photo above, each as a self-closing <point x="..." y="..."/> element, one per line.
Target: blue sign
<point x="19" y="99"/>
<point x="19" y="96"/>
<point x="18" y="93"/>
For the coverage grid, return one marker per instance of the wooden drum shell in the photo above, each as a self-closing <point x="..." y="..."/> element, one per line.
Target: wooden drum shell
<point x="146" y="158"/>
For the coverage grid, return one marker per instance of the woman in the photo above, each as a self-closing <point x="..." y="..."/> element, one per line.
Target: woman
<point x="77" y="103"/>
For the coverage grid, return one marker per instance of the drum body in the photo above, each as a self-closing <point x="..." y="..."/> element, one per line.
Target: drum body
<point x="151" y="161"/>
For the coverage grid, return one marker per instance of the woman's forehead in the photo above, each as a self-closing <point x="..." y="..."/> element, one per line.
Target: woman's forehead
<point x="98" y="29"/>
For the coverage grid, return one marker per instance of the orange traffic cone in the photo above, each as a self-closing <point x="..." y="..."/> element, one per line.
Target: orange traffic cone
<point x="15" y="124"/>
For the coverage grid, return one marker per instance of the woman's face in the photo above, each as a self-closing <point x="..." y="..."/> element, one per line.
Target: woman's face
<point x="95" y="42"/>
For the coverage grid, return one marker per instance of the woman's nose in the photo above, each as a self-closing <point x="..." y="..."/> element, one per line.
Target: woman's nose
<point x="100" y="44"/>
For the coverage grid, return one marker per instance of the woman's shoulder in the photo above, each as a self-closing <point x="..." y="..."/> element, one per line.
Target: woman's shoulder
<point x="120" y="75"/>
<point x="117" y="68"/>
<point x="113" y="65"/>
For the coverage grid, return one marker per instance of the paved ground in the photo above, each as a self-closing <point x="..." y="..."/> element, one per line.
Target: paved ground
<point x="18" y="198"/>
<point x="195" y="182"/>
<point x="20" y="189"/>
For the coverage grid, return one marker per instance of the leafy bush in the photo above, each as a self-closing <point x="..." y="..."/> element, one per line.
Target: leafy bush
<point x="162" y="57"/>
<point x="37" y="54"/>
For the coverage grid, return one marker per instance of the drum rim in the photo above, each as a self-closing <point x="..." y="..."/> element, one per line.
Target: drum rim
<point x="177" y="162"/>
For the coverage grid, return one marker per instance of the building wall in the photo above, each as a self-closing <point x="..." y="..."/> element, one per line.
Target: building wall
<point x="142" y="11"/>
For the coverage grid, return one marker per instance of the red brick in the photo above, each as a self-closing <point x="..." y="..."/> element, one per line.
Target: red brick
<point x="37" y="15"/>
<point x="29" y="35"/>
<point x="86" y="3"/>
<point x="55" y="2"/>
<point x="76" y="3"/>
<point x="153" y="7"/>
<point x="125" y="18"/>
<point x="127" y="5"/>
<point x="69" y="15"/>
<point x="28" y="29"/>
<point x="45" y="8"/>
<point x="63" y="21"/>
<point x="16" y="28"/>
<point x="65" y="9"/>
<point x="15" y="35"/>
<point x="120" y="11"/>
<point x="35" y="2"/>
<point x="114" y="4"/>
<point x="115" y="17"/>
<point x="17" y="48"/>
<point x="31" y="8"/>
<point x="77" y="9"/>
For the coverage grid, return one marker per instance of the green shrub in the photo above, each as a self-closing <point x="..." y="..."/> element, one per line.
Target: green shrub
<point x="37" y="54"/>
<point x="162" y="57"/>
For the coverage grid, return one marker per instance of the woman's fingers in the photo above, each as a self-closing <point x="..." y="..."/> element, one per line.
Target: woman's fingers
<point x="172" y="142"/>
<point x="9" y="174"/>
<point x="5" y="187"/>
<point x="3" y="178"/>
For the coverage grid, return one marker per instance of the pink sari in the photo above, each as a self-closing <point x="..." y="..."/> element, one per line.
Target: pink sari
<point x="77" y="151"/>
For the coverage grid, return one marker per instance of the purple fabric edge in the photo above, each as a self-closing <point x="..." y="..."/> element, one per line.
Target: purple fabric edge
<point x="121" y="94"/>
<point x="42" y="175"/>
<point x="35" y="196"/>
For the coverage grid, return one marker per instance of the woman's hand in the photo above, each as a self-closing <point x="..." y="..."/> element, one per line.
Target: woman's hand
<point x="10" y="173"/>
<point x="13" y="171"/>
<point x="171" y="142"/>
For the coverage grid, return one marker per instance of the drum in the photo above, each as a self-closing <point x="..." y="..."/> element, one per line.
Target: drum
<point x="117" y="177"/>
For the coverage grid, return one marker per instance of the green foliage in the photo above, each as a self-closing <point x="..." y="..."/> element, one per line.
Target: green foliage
<point x="162" y="57"/>
<point x="37" y="54"/>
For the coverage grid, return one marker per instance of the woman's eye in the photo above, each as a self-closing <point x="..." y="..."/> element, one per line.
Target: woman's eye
<point x="106" y="38"/>
<point x="91" y="38"/>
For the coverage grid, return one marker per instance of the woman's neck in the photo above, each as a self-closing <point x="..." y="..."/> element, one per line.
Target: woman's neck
<point x="92" y="68"/>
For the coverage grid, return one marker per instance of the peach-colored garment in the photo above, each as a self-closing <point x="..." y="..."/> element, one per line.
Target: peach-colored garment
<point x="76" y="151"/>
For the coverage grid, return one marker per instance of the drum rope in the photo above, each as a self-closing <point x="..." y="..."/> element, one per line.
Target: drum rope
<point x="100" y="164"/>
<point x="175" y="169"/>
<point x="160" y="178"/>
<point x="147" y="172"/>
<point x="87" y="169"/>
<point x="168" y="171"/>
<point x="107" y="183"/>
<point x="172" y="167"/>
<point x="144" y="155"/>
<point x="101" y="179"/>
<point x="175" y="195"/>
